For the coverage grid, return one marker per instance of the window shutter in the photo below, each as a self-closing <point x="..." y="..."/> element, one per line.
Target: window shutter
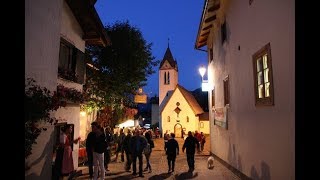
<point x="80" y="67"/>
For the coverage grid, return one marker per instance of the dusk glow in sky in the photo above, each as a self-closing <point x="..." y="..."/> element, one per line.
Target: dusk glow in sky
<point x="159" y="20"/>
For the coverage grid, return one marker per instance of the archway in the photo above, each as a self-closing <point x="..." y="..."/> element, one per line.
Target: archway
<point x="178" y="130"/>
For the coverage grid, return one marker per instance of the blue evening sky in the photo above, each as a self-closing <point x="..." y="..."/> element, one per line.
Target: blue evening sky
<point x="159" y="20"/>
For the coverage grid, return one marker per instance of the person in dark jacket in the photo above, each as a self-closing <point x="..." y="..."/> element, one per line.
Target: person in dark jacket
<point x="89" y="147"/>
<point x="107" y="152"/>
<point x="190" y="144"/>
<point x="172" y="150"/>
<point x="137" y="144"/>
<point x="151" y="143"/>
<point x="98" y="153"/>
<point x="127" y="150"/>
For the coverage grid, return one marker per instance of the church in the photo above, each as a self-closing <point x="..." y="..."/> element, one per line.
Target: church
<point x="179" y="111"/>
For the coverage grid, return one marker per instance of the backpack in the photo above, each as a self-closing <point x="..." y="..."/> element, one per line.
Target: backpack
<point x="147" y="149"/>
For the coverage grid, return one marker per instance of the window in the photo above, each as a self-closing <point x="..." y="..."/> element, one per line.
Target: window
<point x="213" y="98"/>
<point x="201" y="125"/>
<point x="71" y="62"/>
<point x="210" y="54"/>
<point x="166" y="77"/>
<point x="223" y="32"/>
<point x="226" y="91"/>
<point x="263" y="84"/>
<point x="187" y="118"/>
<point x="168" y="118"/>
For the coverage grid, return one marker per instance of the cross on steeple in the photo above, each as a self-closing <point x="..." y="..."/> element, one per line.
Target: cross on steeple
<point x="168" y="42"/>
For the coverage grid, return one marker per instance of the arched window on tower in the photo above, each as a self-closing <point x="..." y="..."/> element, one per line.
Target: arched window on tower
<point x="168" y="118"/>
<point x="168" y="81"/>
<point x="165" y="77"/>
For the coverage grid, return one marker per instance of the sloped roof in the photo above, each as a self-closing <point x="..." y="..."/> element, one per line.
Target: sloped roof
<point x="204" y="116"/>
<point x="165" y="100"/>
<point x="188" y="97"/>
<point x="168" y="56"/>
<point x="90" y="22"/>
<point x="209" y="15"/>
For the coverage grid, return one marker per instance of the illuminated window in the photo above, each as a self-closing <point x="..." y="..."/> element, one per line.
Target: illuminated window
<point x="263" y="84"/>
<point x="168" y="119"/>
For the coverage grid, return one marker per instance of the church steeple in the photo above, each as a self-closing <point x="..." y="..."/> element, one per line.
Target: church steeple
<point x="168" y="74"/>
<point x="168" y="57"/>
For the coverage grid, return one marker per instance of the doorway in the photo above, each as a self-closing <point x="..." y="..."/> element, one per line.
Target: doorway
<point x="178" y="130"/>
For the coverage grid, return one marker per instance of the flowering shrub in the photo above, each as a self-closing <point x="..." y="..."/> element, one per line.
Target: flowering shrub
<point x="69" y="94"/>
<point x="39" y="102"/>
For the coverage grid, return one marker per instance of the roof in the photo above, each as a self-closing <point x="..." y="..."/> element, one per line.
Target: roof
<point x="165" y="100"/>
<point x="168" y="56"/>
<point x="87" y="17"/>
<point x="204" y="116"/>
<point x="188" y="97"/>
<point x="206" y="22"/>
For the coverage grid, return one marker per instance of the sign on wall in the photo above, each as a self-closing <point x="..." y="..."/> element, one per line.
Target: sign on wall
<point x="140" y="97"/>
<point x="220" y="117"/>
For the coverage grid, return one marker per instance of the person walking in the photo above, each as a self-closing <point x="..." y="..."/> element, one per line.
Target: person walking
<point x="127" y="150"/>
<point x="148" y="154"/>
<point x="197" y="135"/>
<point x="107" y="153"/>
<point x="203" y="141"/>
<point x="137" y="144"/>
<point x="165" y="138"/>
<point x="190" y="145"/>
<point x="98" y="153"/>
<point x="119" y="146"/>
<point x="89" y="147"/>
<point x="172" y="150"/>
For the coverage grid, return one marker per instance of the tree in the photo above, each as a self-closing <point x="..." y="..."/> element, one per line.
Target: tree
<point x="123" y="67"/>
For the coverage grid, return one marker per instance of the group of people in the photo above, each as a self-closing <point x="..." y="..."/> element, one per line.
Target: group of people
<point x="191" y="143"/>
<point x="99" y="143"/>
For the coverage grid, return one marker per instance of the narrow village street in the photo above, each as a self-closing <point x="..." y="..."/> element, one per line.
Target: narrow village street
<point x="159" y="166"/>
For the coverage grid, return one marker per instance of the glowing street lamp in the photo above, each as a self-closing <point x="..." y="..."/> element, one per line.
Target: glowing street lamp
<point x="205" y="84"/>
<point x="202" y="71"/>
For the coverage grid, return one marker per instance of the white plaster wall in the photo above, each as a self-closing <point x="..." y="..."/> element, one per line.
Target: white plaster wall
<point x="206" y="127"/>
<point x="164" y="88"/>
<point x="260" y="141"/>
<point x="186" y="110"/>
<point x="42" y="38"/>
<point x="42" y="41"/>
<point x="70" y="28"/>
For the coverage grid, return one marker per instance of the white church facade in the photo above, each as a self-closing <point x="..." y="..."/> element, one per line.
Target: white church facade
<point x="178" y="109"/>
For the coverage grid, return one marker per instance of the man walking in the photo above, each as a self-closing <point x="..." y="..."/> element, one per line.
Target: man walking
<point x="127" y="150"/>
<point x="137" y="144"/>
<point x="89" y="147"/>
<point x="190" y="144"/>
<point x="172" y="150"/>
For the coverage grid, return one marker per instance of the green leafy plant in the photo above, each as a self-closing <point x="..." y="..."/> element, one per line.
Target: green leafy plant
<point x="39" y="102"/>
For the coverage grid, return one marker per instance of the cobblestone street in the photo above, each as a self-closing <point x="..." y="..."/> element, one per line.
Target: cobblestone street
<point x="159" y="166"/>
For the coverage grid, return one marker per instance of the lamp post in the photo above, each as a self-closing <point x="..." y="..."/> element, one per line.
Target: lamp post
<point x="202" y="71"/>
<point x="204" y="83"/>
